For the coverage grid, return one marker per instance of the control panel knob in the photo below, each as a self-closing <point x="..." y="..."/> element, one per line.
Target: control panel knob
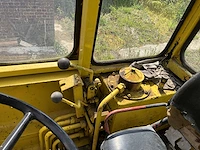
<point x="63" y="63"/>
<point x="56" y="97"/>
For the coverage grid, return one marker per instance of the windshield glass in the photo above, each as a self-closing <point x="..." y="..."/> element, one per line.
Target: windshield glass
<point x="36" y="30"/>
<point x="192" y="53"/>
<point x="136" y="28"/>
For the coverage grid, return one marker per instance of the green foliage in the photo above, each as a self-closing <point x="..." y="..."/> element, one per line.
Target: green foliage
<point x="65" y="8"/>
<point x="135" y="23"/>
<point x="64" y="20"/>
<point x="193" y="60"/>
<point x="60" y="50"/>
<point x="192" y="53"/>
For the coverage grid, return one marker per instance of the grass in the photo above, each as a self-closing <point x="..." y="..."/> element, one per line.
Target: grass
<point x="192" y="53"/>
<point x="66" y="34"/>
<point x="64" y="18"/>
<point x="130" y="24"/>
<point x="193" y="60"/>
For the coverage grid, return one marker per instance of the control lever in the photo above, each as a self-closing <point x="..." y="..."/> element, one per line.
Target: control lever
<point x="64" y="63"/>
<point x="57" y="97"/>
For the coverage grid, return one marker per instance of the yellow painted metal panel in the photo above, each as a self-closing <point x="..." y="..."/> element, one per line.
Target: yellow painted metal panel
<point x="35" y="78"/>
<point x="177" y="69"/>
<point x="139" y="117"/>
<point x="27" y="69"/>
<point x="34" y="83"/>
<point x="88" y="27"/>
<point x="37" y="95"/>
<point x="186" y="29"/>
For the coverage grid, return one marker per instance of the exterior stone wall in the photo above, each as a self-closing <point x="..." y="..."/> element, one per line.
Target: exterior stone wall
<point x="29" y="20"/>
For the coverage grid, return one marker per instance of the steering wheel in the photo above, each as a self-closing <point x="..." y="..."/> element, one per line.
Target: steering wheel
<point x="31" y="113"/>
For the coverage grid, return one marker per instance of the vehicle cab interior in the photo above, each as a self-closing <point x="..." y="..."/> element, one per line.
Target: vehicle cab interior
<point x="99" y="74"/>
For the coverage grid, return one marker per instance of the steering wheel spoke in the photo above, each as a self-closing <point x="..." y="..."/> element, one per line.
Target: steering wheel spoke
<point x="17" y="132"/>
<point x="30" y="114"/>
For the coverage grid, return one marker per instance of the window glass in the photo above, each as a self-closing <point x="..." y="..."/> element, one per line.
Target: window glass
<point x="136" y="28"/>
<point x="192" y="53"/>
<point x="36" y="30"/>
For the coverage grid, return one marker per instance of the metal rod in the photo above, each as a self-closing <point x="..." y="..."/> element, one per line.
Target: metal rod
<point x="90" y="71"/>
<point x="10" y="141"/>
<point x="72" y="136"/>
<point x="106" y="127"/>
<point x="91" y="127"/>
<point x="119" y="89"/>
<point x="66" y="128"/>
<point x="44" y="129"/>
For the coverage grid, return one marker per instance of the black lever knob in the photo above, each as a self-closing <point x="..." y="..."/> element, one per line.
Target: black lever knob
<point x="56" y="97"/>
<point x="63" y="63"/>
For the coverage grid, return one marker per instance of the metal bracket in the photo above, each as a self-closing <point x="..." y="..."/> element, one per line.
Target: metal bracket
<point x="69" y="82"/>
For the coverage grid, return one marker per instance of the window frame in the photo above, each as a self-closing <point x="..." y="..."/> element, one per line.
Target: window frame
<point x="184" y="48"/>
